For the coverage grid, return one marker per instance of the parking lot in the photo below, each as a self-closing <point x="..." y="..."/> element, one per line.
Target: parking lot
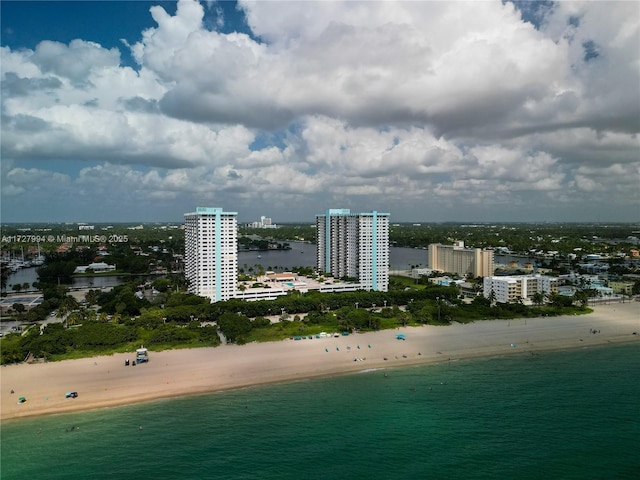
<point x="29" y="300"/>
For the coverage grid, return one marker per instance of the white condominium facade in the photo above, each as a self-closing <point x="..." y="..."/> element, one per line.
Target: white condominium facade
<point x="211" y="252"/>
<point x="458" y="259"/>
<point x="518" y="287"/>
<point x="354" y="245"/>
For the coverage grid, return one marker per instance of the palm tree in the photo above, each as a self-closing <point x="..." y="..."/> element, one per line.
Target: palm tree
<point x="492" y="297"/>
<point x="538" y="298"/>
<point x="67" y="305"/>
<point x="74" y="318"/>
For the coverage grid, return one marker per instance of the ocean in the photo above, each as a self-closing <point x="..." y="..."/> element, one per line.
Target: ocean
<point x="558" y="415"/>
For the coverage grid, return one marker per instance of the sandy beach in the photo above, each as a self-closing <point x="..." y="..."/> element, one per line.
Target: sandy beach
<point x="106" y="382"/>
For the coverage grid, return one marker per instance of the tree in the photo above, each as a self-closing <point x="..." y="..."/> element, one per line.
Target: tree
<point x="74" y="318"/>
<point x="582" y="297"/>
<point x="492" y="297"/>
<point x="481" y="301"/>
<point x="92" y="297"/>
<point x="538" y="298"/>
<point x="560" y="301"/>
<point x="403" y="317"/>
<point x="234" y="326"/>
<point x="161" y="284"/>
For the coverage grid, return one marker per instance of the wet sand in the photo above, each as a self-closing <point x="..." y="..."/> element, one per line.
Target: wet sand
<point x="105" y="381"/>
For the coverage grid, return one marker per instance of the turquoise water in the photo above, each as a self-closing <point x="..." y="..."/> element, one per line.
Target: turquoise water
<point x="560" y="415"/>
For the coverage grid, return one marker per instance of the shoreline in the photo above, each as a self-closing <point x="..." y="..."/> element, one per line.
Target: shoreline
<point x="105" y="381"/>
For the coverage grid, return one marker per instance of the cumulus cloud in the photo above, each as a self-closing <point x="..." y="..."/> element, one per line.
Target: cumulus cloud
<point x="74" y="61"/>
<point x="407" y="106"/>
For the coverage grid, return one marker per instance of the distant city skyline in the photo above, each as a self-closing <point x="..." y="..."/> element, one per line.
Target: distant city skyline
<point x="474" y="112"/>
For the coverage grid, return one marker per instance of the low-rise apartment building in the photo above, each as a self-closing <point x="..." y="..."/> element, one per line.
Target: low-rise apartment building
<point x="516" y="288"/>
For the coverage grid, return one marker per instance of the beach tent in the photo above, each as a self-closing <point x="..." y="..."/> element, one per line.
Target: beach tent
<point x="22" y="400"/>
<point x="400" y="336"/>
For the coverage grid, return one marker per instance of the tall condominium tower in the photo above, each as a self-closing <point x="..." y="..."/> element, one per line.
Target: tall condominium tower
<point x="354" y="245"/>
<point x="463" y="261"/>
<point x="211" y="252"/>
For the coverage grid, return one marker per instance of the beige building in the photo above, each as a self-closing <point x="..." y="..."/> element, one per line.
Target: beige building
<point x="625" y="288"/>
<point x="460" y="260"/>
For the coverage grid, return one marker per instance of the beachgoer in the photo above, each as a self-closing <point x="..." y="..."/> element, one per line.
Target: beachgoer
<point x="12" y="391"/>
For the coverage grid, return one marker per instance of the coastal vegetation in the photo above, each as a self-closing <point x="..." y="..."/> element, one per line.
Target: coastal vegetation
<point x="120" y="320"/>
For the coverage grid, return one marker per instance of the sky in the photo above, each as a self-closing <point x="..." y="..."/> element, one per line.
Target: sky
<point x="481" y="111"/>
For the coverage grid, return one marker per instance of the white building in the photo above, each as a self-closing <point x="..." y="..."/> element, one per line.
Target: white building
<point x="514" y="288"/>
<point x="211" y="252"/>
<point x="460" y="260"/>
<point x="354" y="245"/>
<point x="273" y="285"/>
<point x="96" y="267"/>
<point x="265" y="222"/>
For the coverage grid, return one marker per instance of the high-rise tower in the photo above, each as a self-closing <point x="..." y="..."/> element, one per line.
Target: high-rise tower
<point x="211" y="252"/>
<point x="354" y="245"/>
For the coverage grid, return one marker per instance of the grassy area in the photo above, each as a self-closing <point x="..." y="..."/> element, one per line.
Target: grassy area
<point x="282" y="330"/>
<point x="404" y="282"/>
